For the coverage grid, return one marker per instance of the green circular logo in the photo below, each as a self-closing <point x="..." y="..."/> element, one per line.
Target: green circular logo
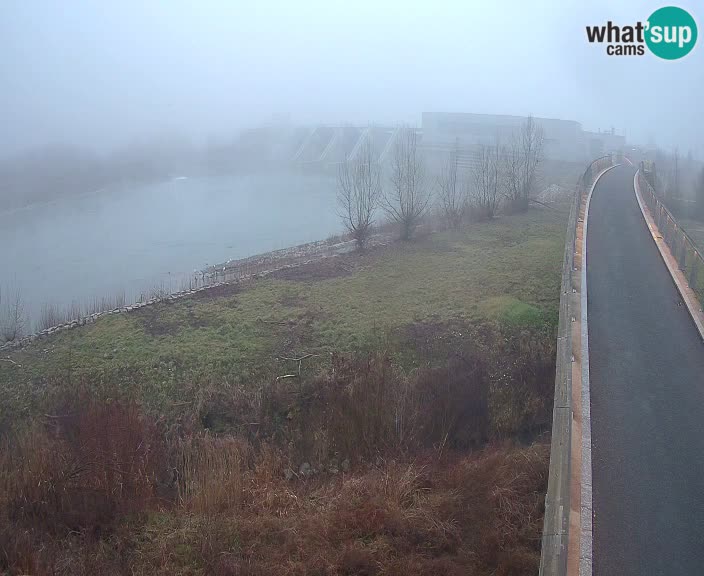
<point x="670" y="33"/>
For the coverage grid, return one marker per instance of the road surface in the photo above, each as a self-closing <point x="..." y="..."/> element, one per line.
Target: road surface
<point x="647" y="397"/>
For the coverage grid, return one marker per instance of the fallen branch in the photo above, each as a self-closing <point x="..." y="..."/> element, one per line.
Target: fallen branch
<point x="299" y="360"/>
<point x="10" y="361"/>
<point x="277" y="322"/>
<point x="542" y="204"/>
<point x="287" y="376"/>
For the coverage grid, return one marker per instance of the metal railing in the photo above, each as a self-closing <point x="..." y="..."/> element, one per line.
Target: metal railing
<point x="553" y="560"/>
<point x="689" y="257"/>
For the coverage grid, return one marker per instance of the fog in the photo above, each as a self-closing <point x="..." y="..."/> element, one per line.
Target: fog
<point x="104" y="75"/>
<point x="124" y="156"/>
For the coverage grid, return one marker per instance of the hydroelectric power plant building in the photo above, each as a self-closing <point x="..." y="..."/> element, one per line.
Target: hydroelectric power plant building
<point x="324" y="147"/>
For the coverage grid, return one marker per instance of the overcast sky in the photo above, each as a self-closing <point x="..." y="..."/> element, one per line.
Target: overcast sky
<point x="100" y="74"/>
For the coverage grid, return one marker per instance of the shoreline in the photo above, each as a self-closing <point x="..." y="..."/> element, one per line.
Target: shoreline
<point x="291" y="256"/>
<point x="230" y="272"/>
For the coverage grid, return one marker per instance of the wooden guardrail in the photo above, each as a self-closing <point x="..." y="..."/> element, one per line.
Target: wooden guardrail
<point x="554" y="561"/>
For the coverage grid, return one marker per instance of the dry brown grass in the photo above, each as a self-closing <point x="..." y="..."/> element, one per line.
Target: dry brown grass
<point x="210" y="473"/>
<point x="473" y="514"/>
<point x="364" y="469"/>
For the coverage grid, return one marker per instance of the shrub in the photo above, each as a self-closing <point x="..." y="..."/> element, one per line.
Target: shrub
<point x="364" y="469"/>
<point x="523" y="380"/>
<point x="82" y="470"/>
<point x="364" y="407"/>
<point x="453" y="403"/>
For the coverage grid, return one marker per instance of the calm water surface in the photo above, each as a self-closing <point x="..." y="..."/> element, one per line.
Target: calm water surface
<point x="131" y="240"/>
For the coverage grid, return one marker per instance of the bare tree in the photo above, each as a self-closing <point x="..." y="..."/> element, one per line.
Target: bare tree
<point x="486" y="178"/>
<point x="666" y="179"/>
<point x="521" y="161"/>
<point x="453" y="198"/>
<point x="531" y="147"/>
<point x="359" y="191"/>
<point x="511" y="170"/>
<point x="12" y="322"/>
<point x="408" y="196"/>
<point x="672" y="190"/>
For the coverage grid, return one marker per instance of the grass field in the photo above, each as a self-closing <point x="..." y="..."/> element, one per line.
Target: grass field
<point x="503" y="272"/>
<point x="414" y="440"/>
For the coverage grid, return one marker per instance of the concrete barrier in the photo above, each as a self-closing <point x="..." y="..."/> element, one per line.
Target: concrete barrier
<point x="562" y="550"/>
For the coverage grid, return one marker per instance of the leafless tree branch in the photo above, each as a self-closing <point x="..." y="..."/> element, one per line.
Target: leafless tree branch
<point x="453" y="198"/>
<point x="521" y="161"/>
<point x="487" y="181"/>
<point x="359" y="191"/>
<point x="12" y="321"/>
<point x="408" y="196"/>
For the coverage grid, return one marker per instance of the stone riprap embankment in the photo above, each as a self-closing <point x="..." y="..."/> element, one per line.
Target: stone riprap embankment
<point x="229" y="272"/>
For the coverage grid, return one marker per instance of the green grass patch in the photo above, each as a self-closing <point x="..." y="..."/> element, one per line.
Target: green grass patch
<point x="513" y="313"/>
<point x="505" y="272"/>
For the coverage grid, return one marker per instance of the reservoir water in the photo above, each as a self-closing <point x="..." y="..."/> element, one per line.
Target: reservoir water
<point x="131" y="239"/>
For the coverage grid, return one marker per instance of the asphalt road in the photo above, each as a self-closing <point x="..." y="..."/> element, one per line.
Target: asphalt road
<point x="647" y="398"/>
